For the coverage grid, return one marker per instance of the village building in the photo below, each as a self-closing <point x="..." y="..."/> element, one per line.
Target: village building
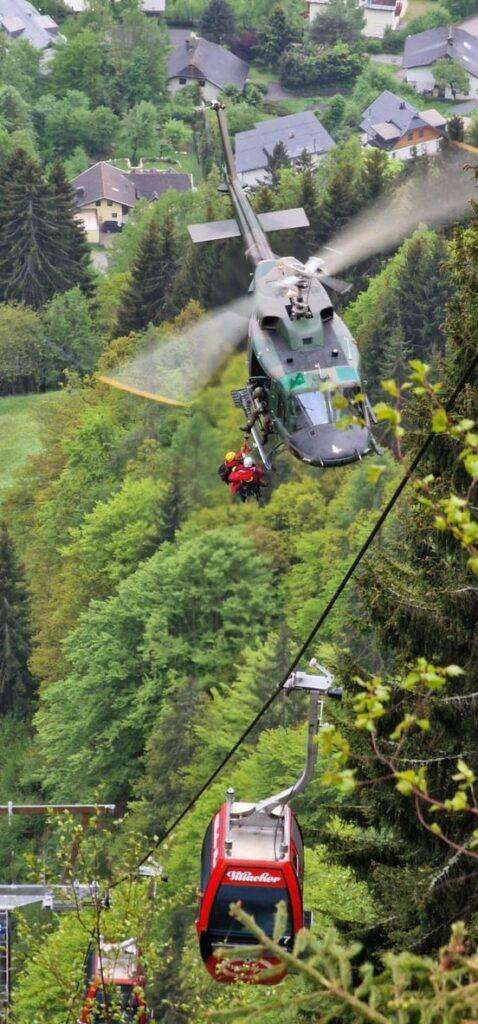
<point x="424" y="49"/>
<point x="392" y="124"/>
<point x="104" y="195"/>
<point x="298" y="132"/>
<point x="212" y="67"/>
<point x="154" y="8"/>
<point x="379" y="14"/>
<point x="19" y="19"/>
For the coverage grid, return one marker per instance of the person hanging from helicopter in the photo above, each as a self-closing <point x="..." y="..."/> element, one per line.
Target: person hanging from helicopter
<point x="232" y="461"/>
<point x="259" y="411"/>
<point x="247" y="480"/>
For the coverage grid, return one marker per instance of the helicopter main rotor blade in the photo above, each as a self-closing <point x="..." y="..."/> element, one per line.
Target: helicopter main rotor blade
<point x="172" y="367"/>
<point x="336" y="284"/>
<point x="441" y="196"/>
<point x="161" y="399"/>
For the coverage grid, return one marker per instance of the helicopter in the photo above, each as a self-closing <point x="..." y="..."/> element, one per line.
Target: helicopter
<point x="300" y="353"/>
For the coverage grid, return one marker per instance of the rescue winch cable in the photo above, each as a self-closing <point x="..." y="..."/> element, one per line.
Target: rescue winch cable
<point x="387" y="509"/>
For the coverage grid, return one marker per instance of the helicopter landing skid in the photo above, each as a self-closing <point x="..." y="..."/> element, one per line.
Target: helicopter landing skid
<point x="242" y="399"/>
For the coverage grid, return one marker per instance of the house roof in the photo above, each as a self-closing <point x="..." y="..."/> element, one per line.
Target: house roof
<point x="296" y="131"/>
<point x="388" y="108"/>
<point x="20" y="19"/>
<point x="104" y="181"/>
<point x="198" y="58"/>
<point x="447" y="41"/>
<point x="387" y="131"/>
<point x="433" y="118"/>
<point x="151" y="184"/>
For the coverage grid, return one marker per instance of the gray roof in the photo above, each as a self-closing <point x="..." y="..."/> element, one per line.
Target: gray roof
<point x="447" y="41"/>
<point x="195" y="58"/>
<point x="21" y="20"/>
<point x="296" y="131"/>
<point x="104" y="181"/>
<point x="392" y="110"/>
<point x="151" y="184"/>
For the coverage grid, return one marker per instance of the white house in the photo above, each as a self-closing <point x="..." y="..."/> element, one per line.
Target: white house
<point x="392" y="124"/>
<point x="212" y="67"/>
<point x="423" y="50"/>
<point x="298" y="132"/>
<point x="379" y="14"/>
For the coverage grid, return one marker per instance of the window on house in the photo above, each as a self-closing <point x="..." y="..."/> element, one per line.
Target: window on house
<point x="182" y="81"/>
<point x="421" y="132"/>
<point x="109" y="202"/>
<point x="410" y="135"/>
<point x="114" y="214"/>
<point x="98" y="202"/>
<point x="202" y="82"/>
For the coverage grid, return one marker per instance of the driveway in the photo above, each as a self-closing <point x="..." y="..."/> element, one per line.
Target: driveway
<point x="471" y="25"/>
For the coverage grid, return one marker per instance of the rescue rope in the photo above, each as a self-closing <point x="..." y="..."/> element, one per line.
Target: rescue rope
<point x="392" y="501"/>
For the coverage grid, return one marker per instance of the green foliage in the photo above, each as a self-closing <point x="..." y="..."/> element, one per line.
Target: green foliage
<point x="217" y="22"/>
<point x="15" y="680"/>
<point x="278" y="34"/>
<point x="26" y="364"/>
<point x="147" y="296"/>
<point x="400" y="314"/>
<point x="70" y="332"/>
<point x="43" y="249"/>
<point x="138" y="130"/>
<point x="449" y="74"/>
<point x="341" y="21"/>
<point x="312" y="65"/>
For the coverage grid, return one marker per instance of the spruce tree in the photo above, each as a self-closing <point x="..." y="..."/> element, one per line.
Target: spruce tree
<point x="374" y="173"/>
<point x="146" y="298"/>
<point x="37" y="242"/>
<point x="277" y="36"/>
<point x="75" y="245"/>
<point x="276" y="160"/>
<point x="218" y="22"/>
<point x="15" y="680"/>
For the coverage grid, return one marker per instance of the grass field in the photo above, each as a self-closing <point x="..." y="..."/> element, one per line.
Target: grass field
<point x="19" y="433"/>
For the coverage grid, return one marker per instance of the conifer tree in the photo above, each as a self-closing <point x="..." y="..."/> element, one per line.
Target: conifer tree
<point x="73" y="236"/>
<point x="276" y="160"/>
<point x="374" y="173"/>
<point x="278" y="35"/>
<point x="15" y="680"/>
<point x="147" y="297"/>
<point x="217" y="22"/>
<point x="39" y="248"/>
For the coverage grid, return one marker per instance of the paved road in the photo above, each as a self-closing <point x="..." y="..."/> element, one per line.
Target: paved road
<point x="471" y="25"/>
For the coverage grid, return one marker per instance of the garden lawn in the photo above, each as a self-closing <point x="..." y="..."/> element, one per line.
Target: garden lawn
<point x="19" y="433"/>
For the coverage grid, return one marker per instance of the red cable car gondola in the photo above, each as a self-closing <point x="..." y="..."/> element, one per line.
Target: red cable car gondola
<point x="253" y="854"/>
<point x="121" y="978"/>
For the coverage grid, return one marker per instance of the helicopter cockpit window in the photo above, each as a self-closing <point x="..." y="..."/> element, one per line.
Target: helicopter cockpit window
<point x="312" y="408"/>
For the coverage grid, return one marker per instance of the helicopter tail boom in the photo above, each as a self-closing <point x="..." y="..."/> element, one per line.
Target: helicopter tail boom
<point x="251" y="226"/>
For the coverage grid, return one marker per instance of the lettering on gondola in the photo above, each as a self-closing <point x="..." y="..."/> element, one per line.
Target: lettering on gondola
<point x="253" y="877"/>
